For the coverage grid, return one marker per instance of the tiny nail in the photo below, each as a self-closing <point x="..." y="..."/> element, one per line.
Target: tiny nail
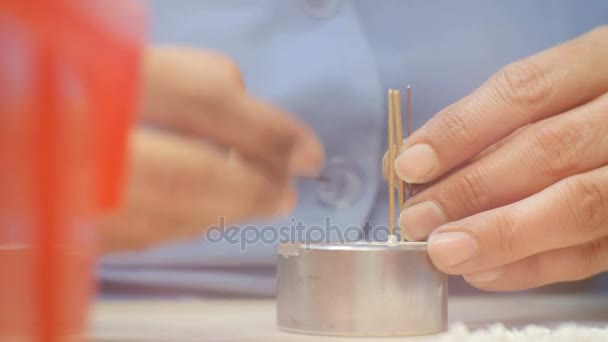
<point x="451" y="248"/>
<point x="416" y="163"/>
<point x="484" y="276"/>
<point x="419" y="220"/>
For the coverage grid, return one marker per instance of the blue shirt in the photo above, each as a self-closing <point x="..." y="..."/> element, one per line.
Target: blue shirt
<point x="331" y="62"/>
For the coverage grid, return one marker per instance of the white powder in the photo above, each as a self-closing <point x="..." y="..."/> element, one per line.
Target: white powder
<point x="567" y="332"/>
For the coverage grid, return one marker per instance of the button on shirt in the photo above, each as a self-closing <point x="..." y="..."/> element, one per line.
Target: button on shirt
<point x="340" y="184"/>
<point x="330" y="62"/>
<point x="321" y="8"/>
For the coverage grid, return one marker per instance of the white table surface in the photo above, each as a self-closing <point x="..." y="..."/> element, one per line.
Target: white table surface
<point x="254" y="319"/>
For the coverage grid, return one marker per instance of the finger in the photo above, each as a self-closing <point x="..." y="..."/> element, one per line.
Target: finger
<point x="571" y="212"/>
<point x="201" y="94"/>
<point x="170" y="73"/>
<point x="487" y="151"/>
<point x="242" y="193"/>
<point x="278" y="139"/>
<point x="539" y="156"/>
<point x="504" y="141"/>
<point x="526" y="91"/>
<point x="266" y="137"/>
<point x="138" y="226"/>
<point x="179" y="188"/>
<point x="385" y="168"/>
<point x="180" y="177"/>
<point x="419" y="188"/>
<point x="308" y="153"/>
<point x="561" y="265"/>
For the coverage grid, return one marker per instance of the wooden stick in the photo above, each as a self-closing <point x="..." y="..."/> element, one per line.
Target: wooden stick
<point x="391" y="158"/>
<point x="397" y="114"/>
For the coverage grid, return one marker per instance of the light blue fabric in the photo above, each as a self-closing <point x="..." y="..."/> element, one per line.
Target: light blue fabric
<point x="331" y="63"/>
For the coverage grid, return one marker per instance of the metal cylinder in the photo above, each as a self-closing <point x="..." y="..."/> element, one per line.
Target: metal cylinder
<point x="360" y="289"/>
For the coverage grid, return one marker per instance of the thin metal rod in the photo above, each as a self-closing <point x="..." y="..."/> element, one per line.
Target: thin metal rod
<point x="391" y="158"/>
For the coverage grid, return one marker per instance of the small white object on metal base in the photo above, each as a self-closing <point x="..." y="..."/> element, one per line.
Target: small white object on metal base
<point x="360" y="289"/>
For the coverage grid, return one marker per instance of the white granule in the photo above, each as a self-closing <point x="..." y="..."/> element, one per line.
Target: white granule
<point x="566" y="332"/>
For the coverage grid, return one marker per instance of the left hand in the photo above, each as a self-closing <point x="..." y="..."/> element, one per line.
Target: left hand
<point x="516" y="173"/>
<point x="217" y="155"/>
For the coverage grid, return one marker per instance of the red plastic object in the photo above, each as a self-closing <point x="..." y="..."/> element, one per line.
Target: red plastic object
<point x="69" y="78"/>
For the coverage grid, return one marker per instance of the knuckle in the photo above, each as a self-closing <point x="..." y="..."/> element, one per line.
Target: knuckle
<point x="600" y="33"/>
<point x="589" y="259"/>
<point x="416" y="189"/>
<point x="217" y="86"/>
<point x="524" y="83"/>
<point x="226" y="68"/>
<point x="232" y="71"/>
<point x="271" y="151"/>
<point x="472" y="190"/>
<point x="538" y="269"/>
<point x="277" y="144"/>
<point x="507" y="235"/>
<point x="586" y="205"/>
<point x="556" y="148"/>
<point x="456" y="126"/>
<point x="263" y="195"/>
<point x="282" y="142"/>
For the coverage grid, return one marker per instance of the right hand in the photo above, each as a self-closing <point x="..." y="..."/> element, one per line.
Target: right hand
<point x="218" y="152"/>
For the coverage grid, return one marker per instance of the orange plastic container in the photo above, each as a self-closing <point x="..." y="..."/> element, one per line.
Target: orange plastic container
<point x="69" y="77"/>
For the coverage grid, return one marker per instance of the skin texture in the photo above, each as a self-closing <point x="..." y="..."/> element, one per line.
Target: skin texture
<point x="208" y="150"/>
<point x="525" y="201"/>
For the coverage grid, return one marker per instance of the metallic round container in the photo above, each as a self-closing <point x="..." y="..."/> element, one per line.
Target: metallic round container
<point x="360" y="289"/>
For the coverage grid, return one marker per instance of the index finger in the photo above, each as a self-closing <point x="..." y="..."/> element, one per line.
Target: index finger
<point x="526" y="91"/>
<point x="203" y="94"/>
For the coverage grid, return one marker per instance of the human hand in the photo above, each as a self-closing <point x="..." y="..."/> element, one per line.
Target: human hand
<point x="514" y="176"/>
<point x="219" y="153"/>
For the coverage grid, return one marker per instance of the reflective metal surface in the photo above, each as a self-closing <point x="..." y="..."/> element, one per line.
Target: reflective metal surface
<point x="360" y="289"/>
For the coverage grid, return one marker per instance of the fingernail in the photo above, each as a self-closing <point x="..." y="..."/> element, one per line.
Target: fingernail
<point x="416" y="163"/>
<point x="419" y="220"/>
<point x="451" y="248"/>
<point x="484" y="276"/>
